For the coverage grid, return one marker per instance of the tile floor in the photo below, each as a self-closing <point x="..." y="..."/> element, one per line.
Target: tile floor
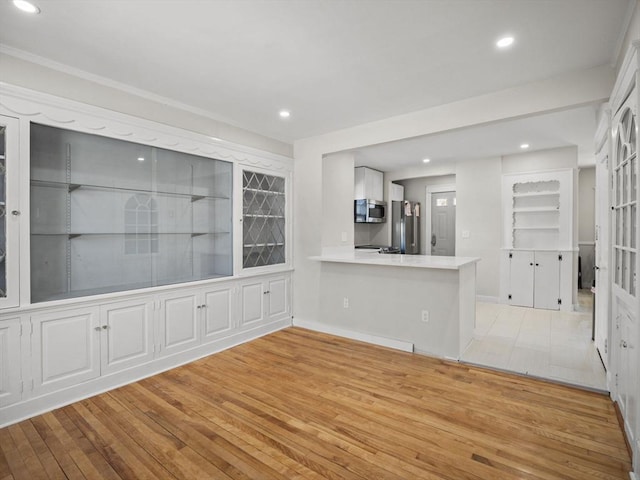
<point x="541" y="343"/>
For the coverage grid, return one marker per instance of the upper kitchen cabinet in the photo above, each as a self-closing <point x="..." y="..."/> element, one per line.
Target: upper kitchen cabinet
<point x="9" y="212"/>
<point x="368" y="184"/>
<point x="264" y="219"/>
<point x="109" y="215"/>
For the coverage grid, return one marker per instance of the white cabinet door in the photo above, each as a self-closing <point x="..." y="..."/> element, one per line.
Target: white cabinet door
<point x="65" y="348"/>
<point x="9" y="212"/>
<point x="179" y="327"/>
<point x="126" y="335"/>
<point x="546" y="280"/>
<point x="277" y="295"/>
<point x="252" y="302"/>
<point x="9" y="361"/>
<point x="217" y="311"/>
<point x="521" y="278"/>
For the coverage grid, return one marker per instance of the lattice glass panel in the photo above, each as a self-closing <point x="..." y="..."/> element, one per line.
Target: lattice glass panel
<point x="263" y="219"/>
<point x="625" y="209"/>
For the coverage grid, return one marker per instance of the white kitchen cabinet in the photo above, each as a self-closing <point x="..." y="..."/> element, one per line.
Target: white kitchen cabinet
<point x="534" y="279"/>
<point x="264" y="300"/>
<point x="126" y="335"/>
<point x="9" y="361"/>
<point x="369" y="184"/>
<point x="396" y="192"/>
<point x="65" y="348"/>
<point x="179" y="326"/>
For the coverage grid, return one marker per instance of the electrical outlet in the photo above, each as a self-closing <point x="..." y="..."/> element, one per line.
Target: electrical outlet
<point x="345" y="302"/>
<point x="425" y="316"/>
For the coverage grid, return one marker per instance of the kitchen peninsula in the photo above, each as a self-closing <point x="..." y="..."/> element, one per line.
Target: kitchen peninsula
<point x="415" y="303"/>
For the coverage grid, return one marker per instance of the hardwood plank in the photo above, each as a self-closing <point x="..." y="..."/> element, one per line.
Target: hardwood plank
<point x="303" y="405"/>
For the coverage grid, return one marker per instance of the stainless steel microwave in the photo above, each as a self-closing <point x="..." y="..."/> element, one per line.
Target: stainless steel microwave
<point x="369" y="211"/>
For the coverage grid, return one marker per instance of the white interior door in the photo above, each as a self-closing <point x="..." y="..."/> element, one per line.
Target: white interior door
<point x="624" y="265"/>
<point x="443" y="223"/>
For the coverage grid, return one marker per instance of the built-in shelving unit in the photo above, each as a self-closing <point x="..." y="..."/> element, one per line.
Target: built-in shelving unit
<point x="109" y="215"/>
<point x="263" y="218"/>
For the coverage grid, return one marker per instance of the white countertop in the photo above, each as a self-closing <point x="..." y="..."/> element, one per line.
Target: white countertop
<point x="396" y="260"/>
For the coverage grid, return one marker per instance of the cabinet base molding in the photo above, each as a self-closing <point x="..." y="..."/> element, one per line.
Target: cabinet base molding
<point x="35" y="406"/>
<point x="353" y="335"/>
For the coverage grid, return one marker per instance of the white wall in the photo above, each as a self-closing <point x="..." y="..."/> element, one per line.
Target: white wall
<point x="479" y="212"/>
<point x="337" y="204"/>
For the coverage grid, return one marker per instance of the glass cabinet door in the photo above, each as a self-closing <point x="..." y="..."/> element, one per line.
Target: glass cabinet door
<point x="9" y="212"/>
<point x="263" y="219"/>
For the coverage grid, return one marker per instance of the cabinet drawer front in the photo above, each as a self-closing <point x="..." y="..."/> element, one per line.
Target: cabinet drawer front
<point x="65" y="349"/>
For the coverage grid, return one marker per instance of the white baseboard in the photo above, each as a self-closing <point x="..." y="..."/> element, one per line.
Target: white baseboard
<point x="487" y="299"/>
<point x="353" y="335"/>
<point x="633" y="476"/>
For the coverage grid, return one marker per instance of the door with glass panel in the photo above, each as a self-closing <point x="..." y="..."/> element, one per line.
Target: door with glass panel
<point x="9" y="212"/>
<point x="263" y="219"/>
<point x="624" y="345"/>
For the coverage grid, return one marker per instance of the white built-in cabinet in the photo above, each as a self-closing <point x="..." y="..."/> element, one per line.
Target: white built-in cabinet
<point x="534" y="278"/>
<point x="10" y="378"/>
<point x="538" y="263"/>
<point x="223" y="279"/>
<point x="369" y="184"/>
<point x="265" y="299"/>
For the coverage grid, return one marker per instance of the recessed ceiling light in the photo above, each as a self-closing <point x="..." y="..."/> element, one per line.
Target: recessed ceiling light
<point x="505" y="42"/>
<point x="285" y="113"/>
<point x="524" y="146"/>
<point x="141" y="159"/>
<point x="26" y="6"/>
<point x="426" y="160"/>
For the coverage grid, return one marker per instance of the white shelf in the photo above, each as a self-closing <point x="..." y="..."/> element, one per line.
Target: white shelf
<point x="539" y="227"/>
<point x="535" y="209"/>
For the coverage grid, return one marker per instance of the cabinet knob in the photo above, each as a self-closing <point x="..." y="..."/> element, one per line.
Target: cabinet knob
<point x="204" y="305"/>
<point x="105" y="327"/>
<point x="531" y="264"/>
<point x="266" y="292"/>
<point x="97" y="329"/>
<point x="15" y="213"/>
<point x="623" y="344"/>
<point x="199" y="307"/>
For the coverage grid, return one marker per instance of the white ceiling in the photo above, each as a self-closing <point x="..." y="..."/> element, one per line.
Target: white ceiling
<point x="333" y="63"/>
<point x="575" y="127"/>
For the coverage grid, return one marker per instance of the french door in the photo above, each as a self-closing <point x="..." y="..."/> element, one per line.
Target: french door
<point x="624" y="260"/>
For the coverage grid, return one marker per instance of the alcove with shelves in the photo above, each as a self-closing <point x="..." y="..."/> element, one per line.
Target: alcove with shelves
<point x="540" y="255"/>
<point x="110" y="215"/>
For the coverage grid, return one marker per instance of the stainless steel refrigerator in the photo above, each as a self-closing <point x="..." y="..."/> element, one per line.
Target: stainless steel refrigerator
<point x="405" y="224"/>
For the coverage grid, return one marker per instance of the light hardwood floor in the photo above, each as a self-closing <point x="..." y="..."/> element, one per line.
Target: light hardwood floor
<point x="303" y="405"/>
